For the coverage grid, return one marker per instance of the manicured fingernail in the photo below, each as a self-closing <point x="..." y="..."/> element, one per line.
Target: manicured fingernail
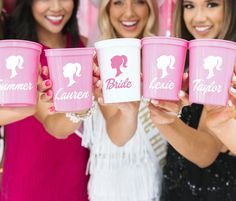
<point x="181" y="94"/>
<point x="44" y="70"/>
<point x="234" y="78"/>
<point x="233" y="90"/>
<point x="47" y="83"/>
<point x="98" y="83"/>
<point x="48" y="93"/>
<point x="51" y="109"/>
<point x="230" y="104"/>
<point x="185" y="75"/>
<point x="155" y="102"/>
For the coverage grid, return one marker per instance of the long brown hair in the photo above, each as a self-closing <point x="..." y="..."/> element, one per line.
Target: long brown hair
<point x="228" y="31"/>
<point x="1" y="20"/>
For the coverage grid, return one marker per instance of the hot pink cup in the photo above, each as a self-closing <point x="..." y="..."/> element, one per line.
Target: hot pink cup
<point x="210" y="70"/>
<point x="163" y="60"/>
<point x="71" y="71"/>
<point x="19" y="63"/>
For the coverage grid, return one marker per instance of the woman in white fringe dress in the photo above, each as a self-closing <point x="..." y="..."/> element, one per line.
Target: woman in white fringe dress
<point x="125" y="167"/>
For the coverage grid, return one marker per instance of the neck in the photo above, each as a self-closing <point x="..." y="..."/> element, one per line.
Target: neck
<point x="52" y="40"/>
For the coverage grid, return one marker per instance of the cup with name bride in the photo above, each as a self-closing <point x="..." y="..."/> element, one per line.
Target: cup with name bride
<point x="211" y="64"/>
<point x="19" y="62"/>
<point x="71" y="71"/>
<point x="163" y="60"/>
<point x="119" y="62"/>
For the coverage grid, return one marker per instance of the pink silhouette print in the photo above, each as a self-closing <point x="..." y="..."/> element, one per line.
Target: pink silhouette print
<point x="211" y="63"/>
<point x="116" y="63"/>
<point x="71" y="69"/>
<point x="14" y="62"/>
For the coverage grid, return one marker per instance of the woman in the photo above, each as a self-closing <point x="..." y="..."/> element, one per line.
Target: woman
<point x="38" y="166"/>
<point x="123" y="164"/>
<point x="199" y="166"/>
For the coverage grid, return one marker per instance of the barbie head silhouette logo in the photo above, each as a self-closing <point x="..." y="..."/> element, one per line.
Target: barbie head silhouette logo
<point x="211" y="63"/>
<point x="13" y="63"/>
<point x="71" y="69"/>
<point x="116" y="63"/>
<point x="164" y="62"/>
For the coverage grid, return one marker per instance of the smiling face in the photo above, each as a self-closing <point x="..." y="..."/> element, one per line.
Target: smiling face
<point x="52" y="15"/>
<point x="204" y="18"/>
<point x="129" y="17"/>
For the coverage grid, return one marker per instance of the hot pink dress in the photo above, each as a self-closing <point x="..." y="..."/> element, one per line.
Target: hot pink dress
<point x="39" y="167"/>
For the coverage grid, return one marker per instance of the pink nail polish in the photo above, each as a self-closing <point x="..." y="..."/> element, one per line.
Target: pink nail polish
<point x="52" y="109"/>
<point x="47" y="83"/>
<point x="48" y="93"/>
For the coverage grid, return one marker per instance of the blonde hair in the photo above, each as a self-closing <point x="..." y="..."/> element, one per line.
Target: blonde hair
<point x="228" y="30"/>
<point x="107" y="30"/>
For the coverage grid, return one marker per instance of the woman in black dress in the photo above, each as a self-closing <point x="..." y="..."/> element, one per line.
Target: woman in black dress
<point x="199" y="165"/>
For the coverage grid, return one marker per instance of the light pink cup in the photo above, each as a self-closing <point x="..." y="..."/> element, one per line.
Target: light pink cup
<point x="163" y="60"/>
<point x="210" y="70"/>
<point x="71" y="71"/>
<point x="119" y="62"/>
<point x="19" y="63"/>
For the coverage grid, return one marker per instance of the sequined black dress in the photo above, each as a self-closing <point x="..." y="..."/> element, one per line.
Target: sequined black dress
<point x="184" y="181"/>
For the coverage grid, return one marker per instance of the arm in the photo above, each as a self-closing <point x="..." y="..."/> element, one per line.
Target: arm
<point x="221" y="121"/>
<point x="121" y="118"/>
<point x="10" y="115"/>
<point x="57" y="124"/>
<point x="198" y="146"/>
<point x="121" y="121"/>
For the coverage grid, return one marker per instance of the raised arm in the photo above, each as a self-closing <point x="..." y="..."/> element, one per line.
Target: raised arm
<point x="197" y="145"/>
<point x="221" y="121"/>
<point x="10" y="115"/>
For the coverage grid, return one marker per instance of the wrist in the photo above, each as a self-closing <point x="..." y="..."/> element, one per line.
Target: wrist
<point x="81" y="116"/>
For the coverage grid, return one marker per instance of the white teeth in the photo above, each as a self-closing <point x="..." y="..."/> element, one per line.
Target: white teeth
<point x="129" y="23"/>
<point x="55" y="18"/>
<point x="202" y="28"/>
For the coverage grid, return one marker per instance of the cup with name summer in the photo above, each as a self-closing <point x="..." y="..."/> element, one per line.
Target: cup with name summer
<point x="119" y="62"/>
<point x="211" y="66"/>
<point x="71" y="71"/>
<point x="19" y="63"/>
<point x="163" y="60"/>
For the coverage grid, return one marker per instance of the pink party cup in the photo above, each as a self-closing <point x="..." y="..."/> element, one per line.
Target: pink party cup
<point x="71" y="71"/>
<point x="210" y="70"/>
<point x="19" y="63"/>
<point x="163" y="60"/>
<point x="119" y="62"/>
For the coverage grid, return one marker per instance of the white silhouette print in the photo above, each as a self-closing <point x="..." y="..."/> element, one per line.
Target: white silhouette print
<point x="12" y="62"/>
<point x="211" y="63"/>
<point x="71" y="69"/>
<point x="163" y="62"/>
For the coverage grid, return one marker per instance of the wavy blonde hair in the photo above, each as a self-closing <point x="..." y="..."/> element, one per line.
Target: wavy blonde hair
<point x="107" y="30"/>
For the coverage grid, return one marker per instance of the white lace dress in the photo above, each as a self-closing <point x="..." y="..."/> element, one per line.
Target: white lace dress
<point x="128" y="173"/>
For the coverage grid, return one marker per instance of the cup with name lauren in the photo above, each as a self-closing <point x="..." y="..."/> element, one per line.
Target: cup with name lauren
<point x="19" y="72"/>
<point x="119" y="62"/>
<point x="71" y="72"/>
